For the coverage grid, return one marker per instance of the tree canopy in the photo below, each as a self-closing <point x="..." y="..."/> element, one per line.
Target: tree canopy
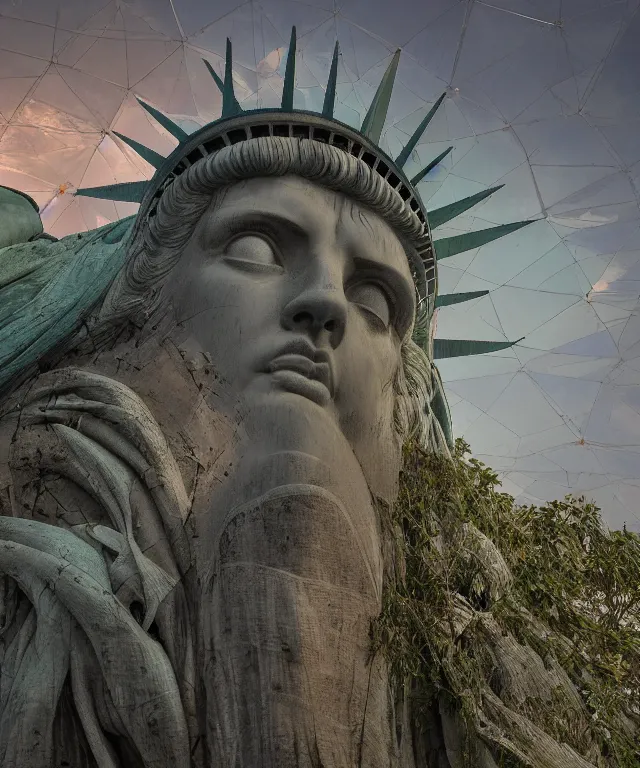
<point x="521" y="622"/>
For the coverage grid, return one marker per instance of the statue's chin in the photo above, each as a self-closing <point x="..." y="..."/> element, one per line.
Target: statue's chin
<point x="285" y="413"/>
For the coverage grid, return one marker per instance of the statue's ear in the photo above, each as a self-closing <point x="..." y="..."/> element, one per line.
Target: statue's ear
<point x="19" y="217"/>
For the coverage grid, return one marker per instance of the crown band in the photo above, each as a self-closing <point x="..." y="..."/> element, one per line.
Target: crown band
<point x="237" y="125"/>
<point x="305" y="125"/>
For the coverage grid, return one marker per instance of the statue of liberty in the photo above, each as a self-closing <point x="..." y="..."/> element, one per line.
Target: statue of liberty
<point x="202" y="415"/>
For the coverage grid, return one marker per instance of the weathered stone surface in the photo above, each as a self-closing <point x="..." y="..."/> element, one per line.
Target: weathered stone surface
<point x="190" y="538"/>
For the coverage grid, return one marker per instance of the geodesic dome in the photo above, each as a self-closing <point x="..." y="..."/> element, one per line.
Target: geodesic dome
<point x="542" y="97"/>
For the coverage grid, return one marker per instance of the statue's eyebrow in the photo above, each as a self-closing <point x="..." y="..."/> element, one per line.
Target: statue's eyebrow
<point x="373" y="265"/>
<point x="253" y="215"/>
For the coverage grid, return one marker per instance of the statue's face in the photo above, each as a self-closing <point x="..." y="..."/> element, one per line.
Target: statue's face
<point x="300" y="294"/>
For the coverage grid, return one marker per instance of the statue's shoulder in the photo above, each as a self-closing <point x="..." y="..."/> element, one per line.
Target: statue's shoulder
<point x="47" y="286"/>
<point x="19" y="217"/>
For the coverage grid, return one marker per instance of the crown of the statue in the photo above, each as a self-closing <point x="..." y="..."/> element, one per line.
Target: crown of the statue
<point x="236" y="125"/>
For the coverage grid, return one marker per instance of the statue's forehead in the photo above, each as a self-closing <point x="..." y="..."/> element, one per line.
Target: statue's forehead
<point x="315" y="209"/>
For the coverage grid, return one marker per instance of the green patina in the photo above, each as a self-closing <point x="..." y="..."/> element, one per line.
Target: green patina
<point x="451" y="246"/>
<point x="20" y="218"/>
<point x="448" y="299"/>
<point x="444" y="348"/>
<point x="47" y="288"/>
<point x="441" y="216"/>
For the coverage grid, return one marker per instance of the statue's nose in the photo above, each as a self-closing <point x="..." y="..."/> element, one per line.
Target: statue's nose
<point x="317" y="311"/>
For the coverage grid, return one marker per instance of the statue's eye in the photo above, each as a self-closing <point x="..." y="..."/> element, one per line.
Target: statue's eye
<point x="252" y="248"/>
<point x="373" y="298"/>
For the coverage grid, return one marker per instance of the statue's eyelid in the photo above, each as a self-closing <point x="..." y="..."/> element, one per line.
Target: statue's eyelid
<point x="389" y="293"/>
<point x="239" y="229"/>
<point x="379" y="282"/>
<point x="236" y="231"/>
<point x="393" y="287"/>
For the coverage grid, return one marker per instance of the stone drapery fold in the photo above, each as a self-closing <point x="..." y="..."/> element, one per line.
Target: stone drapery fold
<point x="81" y="583"/>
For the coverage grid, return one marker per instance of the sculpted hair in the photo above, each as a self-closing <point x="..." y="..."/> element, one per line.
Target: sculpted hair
<point x="159" y="242"/>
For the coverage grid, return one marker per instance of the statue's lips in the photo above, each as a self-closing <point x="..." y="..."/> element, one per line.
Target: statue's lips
<point x="301" y="375"/>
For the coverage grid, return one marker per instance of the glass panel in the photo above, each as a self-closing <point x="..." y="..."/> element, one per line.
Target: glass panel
<point x="27" y="38"/>
<point x="435" y="46"/>
<point x="552" y="112"/>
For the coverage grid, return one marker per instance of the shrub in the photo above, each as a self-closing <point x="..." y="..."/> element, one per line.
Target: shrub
<point x="483" y="586"/>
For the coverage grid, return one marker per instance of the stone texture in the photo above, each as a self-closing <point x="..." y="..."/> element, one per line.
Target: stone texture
<point x="189" y="534"/>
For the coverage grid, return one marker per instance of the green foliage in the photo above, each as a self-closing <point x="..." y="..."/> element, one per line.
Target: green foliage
<point x="555" y="567"/>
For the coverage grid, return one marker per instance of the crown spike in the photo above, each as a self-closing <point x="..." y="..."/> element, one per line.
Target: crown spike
<point x="214" y="75"/>
<point x="448" y="299"/>
<point x="127" y="192"/>
<point x="415" y="138"/>
<point x="445" y="348"/>
<point x="230" y="105"/>
<point x="153" y="158"/>
<point x="289" y="75"/>
<point x="377" y="114"/>
<point x="442" y="215"/>
<point x="450" y="246"/>
<point x="419" y="176"/>
<point x="330" y="93"/>
<point x="166" y="122"/>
